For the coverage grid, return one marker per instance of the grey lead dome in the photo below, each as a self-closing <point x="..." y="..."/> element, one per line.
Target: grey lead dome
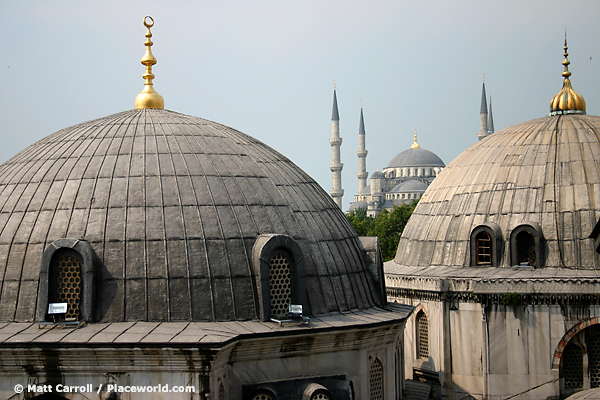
<point x="172" y="206"/>
<point x="415" y="158"/>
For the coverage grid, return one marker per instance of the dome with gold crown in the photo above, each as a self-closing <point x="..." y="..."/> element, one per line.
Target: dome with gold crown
<point x="151" y="215"/>
<point x="525" y="196"/>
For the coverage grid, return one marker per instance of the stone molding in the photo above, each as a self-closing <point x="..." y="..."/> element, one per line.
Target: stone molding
<point x="486" y="299"/>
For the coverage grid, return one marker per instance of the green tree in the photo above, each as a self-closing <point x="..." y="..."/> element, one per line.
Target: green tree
<point x="388" y="226"/>
<point x="362" y="224"/>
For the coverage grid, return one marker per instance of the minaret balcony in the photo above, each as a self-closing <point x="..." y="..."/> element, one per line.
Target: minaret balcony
<point x="336" y="193"/>
<point x="362" y="175"/>
<point x="336" y="167"/>
<point x="362" y="153"/>
<point x="335" y="141"/>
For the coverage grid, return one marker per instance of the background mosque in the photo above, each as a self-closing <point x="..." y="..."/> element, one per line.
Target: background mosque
<point x="406" y="176"/>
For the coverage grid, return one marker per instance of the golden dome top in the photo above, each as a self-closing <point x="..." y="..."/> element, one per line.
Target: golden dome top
<point x="567" y="101"/>
<point x="415" y="145"/>
<point x="148" y="97"/>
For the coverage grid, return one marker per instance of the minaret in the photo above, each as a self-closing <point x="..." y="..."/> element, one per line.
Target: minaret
<point x="336" y="142"/>
<point x="490" y="124"/>
<point x="483" y="114"/>
<point x="362" y="154"/>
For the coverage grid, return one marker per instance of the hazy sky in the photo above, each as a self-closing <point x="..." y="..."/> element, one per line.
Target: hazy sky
<point x="267" y="69"/>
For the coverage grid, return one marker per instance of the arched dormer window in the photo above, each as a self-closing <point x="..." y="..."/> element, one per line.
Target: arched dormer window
<point x="279" y="265"/>
<point x="526" y="245"/>
<point x="422" y="336"/>
<point x="483" y="248"/>
<point x="486" y="245"/>
<point x="68" y="275"/>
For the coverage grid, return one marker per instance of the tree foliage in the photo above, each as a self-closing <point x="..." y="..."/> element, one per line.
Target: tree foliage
<point x="387" y="226"/>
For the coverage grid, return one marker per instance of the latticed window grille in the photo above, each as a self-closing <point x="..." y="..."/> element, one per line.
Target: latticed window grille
<point x="572" y="364"/>
<point x="594" y="361"/>
<point x="376" y="380"/>
<point x="280" y="284"/>
<point x="263" y="396"/>
<point x="525" y="248"/>
<point x="422" y="335"/>
<point x="68" y="289"/>
<point x="484" y="248"/>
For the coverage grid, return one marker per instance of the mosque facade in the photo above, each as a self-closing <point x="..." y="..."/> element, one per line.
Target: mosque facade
<point x="150" y="254"/>
<point x="500" y="260"/>
<point x="408" y="174"/>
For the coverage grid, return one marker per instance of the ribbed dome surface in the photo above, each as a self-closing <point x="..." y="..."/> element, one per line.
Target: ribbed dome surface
<point x="172" y="206"/>
<point x="416" y="157"/>
<point x="545" y="171"/>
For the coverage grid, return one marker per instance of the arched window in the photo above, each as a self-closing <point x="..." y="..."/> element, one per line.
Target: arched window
<point x="580" y="358"/>
<point x="422" y="330"/>
<point x="526" y="245"/>
<point x="67" y="272"/>
<point x="68" y="275"/>
<point x="594" y="360"/>
<point x="483" y="245"/>
<point x="486" y="245"/>
<point x="525" y="249"/>
<point x="279" y="264"/>
<point x="376" y="380"/>
<point x="572" y="366"/>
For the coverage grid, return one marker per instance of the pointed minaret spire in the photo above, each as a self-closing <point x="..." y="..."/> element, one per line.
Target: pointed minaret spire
<point x="336" y="142"/>
<point x="490" y="124"/>
<point x="362" y="154"/>
<point x="483" y="114"/>
<point x="335" y="116"/>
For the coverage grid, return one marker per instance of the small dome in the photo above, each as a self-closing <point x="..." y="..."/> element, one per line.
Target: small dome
<point x="416" y="157"/>
<point x="412" y="185"/>
<point x="378" y="175"/>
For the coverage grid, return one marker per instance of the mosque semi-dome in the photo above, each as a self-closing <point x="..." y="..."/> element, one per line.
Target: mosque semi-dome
<point x="412" y="185"/>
